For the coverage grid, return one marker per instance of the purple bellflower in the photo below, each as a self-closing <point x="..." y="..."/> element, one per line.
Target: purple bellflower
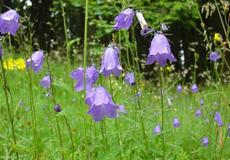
<point x="130" y="79"/>
<point x="9" y="22"/>
<point x="101" y="104"/>
<point x="124" y="20"/>
<point x="157" y="129"/>
<point x="110" y="61"/>
<point x="176" y="123"/>
<point x="201" y="102"/>
<point x="91" y="77"/>
<point x="179" y="88"/>
<point x="194" y="88"/>
<point x="160" y="50"/>
<point x="205" y="141"/>
<point x="35" y="61"/>
<point x="57" y="108"/>
<point x="198" y="113"/>
<point x="218" y="119"/>
<point x="45" y="82"/>
<point x="214" y="56"/>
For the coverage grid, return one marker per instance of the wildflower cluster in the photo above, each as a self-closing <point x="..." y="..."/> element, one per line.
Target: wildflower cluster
<point x="14" y="64"/>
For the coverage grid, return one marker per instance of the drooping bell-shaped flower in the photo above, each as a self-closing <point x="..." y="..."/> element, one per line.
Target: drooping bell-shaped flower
<point x="164" y="27"/>
<point x="194" y="88"/>
<point x="9" y="22"/>
<point x="198" y="113"/>
<point x="130" y="79"/>
<point x="57" y="108"/>
<point x="160" y="50"/>
<point x="110" y="61"/>
<point x="157" y="129"/>
<point x="179" y="88"/>
<point x="218" y="119"/>
<point x="201" y="102"/>
<point x="176" y="123"/>
<point x="205" y="141"/>
<point x="45" y="82"/>
<point x="35" y="61"/>
<point x="91" y="77"/>
<point x="124" y="20"/>
<point x="214" y="56"/>
<point x="101" y="104"/>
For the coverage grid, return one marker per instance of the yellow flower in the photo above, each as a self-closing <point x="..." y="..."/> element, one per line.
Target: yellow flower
<point x="20" y="64"/>
<point x="9" y="64"/>
<point x="217" y="37"/>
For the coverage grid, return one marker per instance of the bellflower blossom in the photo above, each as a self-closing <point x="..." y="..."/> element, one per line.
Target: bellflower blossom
<point x="9" y="22"/>
<point x="110" y="61"/>
<point x="91" y="77"/>
<point x="218" y="119"/>
<point x="201" y="102"/>
<point x="160" y="50"/>
<point x="194" y="88"/>
<point x="57" y="108"/>
<point x="164" y="27"/>
<point x="157" y="129"/>
<point x="130" y="79"/>
<point x="205" y="141"/>
<point x="35" y="61"/>
<point x="214" y="56"/>
<point x="124" y="20"/>
<point x="179" y="88"/>
<point x="198" y="113"/>
<point x="101" y="104"/>
<point x="45" y="82"/>
<point x="176" y="123"/>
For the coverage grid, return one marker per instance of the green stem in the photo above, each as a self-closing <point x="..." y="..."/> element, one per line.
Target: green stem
<point x="5" y="88"/>
<point x="71" y="136"/>
<point x="116" y="124"/>
<point x="66" y="34"/>
<point x="142" y="121"/>
<point x="54" y="103"/>
<point x="85" y="63"/>
<point x="162" y="112"/>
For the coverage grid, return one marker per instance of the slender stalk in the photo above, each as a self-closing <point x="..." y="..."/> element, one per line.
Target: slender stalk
<point x="71" y="135"/>
<point x="66" y="34"/>
<point x="65" y="119"/>
<point x="222" y="21"/>
<point x="142" y="120"/>
<point x="162" y="113"/>
<point x="33" y="111"/>
<point x="222" y="148"/>
<point x="103" y="134"/>
<point x="5" y="88"/>
<point x="116" y="124"/>
<point x="85" y="63"/>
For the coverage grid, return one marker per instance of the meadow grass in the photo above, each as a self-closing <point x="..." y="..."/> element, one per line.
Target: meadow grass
<point x="184" y="142"/>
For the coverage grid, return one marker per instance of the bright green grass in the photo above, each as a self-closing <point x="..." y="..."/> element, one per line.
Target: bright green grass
<point x="181" y="143"/>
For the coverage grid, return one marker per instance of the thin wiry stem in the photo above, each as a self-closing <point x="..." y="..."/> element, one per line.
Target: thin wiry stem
<point x="116" y="124"/>
<point x="85" y="63"/>
<point x="142" y="120"/>
<point x="54" y="103"/>
<point x="5" y="88"/>
<point x="162" y="112"/>
<point x="66" y="34"/>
